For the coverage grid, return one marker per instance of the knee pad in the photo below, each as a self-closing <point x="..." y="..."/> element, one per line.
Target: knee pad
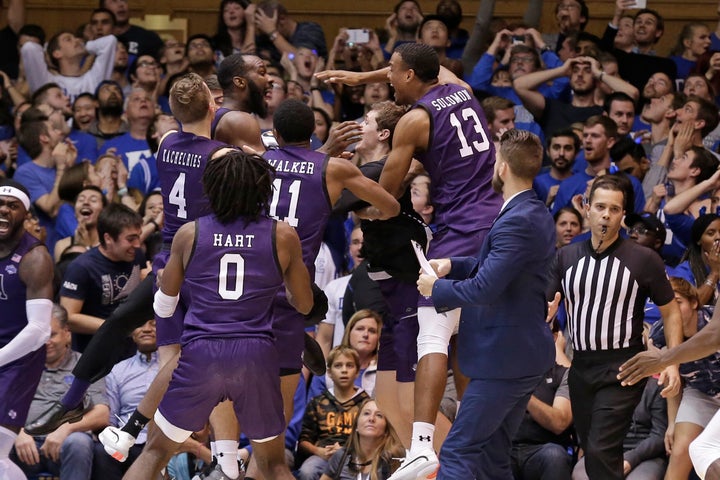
<point x="703" y="454"/>
<point x="435" y="330"/>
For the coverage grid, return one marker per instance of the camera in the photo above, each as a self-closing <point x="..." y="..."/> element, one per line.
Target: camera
<point x="518" y="39"/>
<point x="357" y="36"/>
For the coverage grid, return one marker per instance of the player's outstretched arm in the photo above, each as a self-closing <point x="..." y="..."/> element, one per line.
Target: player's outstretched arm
<point x="36" y="272"/>
<point x="343" y="174"/>
<point x="411" y="134"/>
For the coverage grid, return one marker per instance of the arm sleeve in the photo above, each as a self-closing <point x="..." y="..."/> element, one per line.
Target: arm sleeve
<point x="35" y="333"/>
<point x="508" y="255"/>
<point x="482" y="73"/>
<point x="36" y="70"/>
<point x="104" y="49"/>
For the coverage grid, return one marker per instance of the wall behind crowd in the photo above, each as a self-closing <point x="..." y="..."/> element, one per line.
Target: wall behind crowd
<point x="54" y="15"/>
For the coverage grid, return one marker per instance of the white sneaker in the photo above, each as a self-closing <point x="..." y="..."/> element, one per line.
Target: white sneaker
<point x="116" y="442"/>
<point x="417" y="466"/>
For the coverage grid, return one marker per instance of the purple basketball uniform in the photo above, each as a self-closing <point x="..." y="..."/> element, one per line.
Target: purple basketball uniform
<point x="218" y="115"/>
<point x="233" y="277"/>
<point x="181" y="161"/>
<point x="459" y="159"/>
<point x="18" y="379"/>
<point x="300" y="198"/>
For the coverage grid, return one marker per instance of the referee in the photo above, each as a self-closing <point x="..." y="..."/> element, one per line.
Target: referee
<point x="605" y="282"/>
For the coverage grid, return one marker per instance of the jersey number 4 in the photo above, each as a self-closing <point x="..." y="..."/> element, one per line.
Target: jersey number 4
<point x="177" y="196"/>
<point x="481" y="146"/>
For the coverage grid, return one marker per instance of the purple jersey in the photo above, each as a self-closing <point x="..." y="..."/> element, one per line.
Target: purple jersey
<point x="218" y="115"/>
<point x="231" y="278"/>
<point x="300" y="196"/>
<point x="181" y="161"/>
<point x="12" y="290"/>
<point x="459" y="159"/>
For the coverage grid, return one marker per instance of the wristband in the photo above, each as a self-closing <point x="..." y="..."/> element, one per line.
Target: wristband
<point x="273" y="35"/>
<point x="122" y="191"/>
<point x="165" y="305"/>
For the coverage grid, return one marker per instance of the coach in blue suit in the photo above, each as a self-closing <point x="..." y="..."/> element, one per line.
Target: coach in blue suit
<point x="504" y="344"/>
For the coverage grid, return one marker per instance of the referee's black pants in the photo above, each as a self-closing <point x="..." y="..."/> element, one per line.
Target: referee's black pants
<point x="602" y="409"/>
<point x="110" y="343"/>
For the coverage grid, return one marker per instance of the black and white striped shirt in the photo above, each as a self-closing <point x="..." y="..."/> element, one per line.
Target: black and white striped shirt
<point x="605" y="294"/>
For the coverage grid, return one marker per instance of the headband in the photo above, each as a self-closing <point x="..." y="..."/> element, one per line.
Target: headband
<point x="10" y="191"/>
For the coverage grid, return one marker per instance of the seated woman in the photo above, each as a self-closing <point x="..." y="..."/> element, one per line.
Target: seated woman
<point x="370" y="451"/>
<point x="362" y="334"/>
<point x="701" y="262"/>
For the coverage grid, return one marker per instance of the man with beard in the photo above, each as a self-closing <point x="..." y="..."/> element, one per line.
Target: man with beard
<point x="25" y="300"/>
<point x="245" y="82"/>
<point x="402" y="26"/>
<point x="504" y="346"/>
<point x="599" y="135"/>
<point x="132" y="147"/>
<point x="562" y="147"/>
<point x="138" y="40"/>
<point x="109" y="121"/>
<point x="585" y="74"/>
<point x="201" y="55"/>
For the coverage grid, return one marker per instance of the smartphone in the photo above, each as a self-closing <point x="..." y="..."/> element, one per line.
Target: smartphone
<point x="358" y="35"/>
<point x="518" y="39"/>
<point x="639" y="4"/>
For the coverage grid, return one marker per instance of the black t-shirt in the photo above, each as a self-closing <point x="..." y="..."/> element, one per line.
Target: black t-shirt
<point x="558" y="115"/>
<point x="9" y="56"/>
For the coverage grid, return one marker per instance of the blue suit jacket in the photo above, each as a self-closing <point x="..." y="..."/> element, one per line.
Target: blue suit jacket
<point x="503" y="333"/>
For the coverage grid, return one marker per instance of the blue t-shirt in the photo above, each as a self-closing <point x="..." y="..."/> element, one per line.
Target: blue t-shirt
<point x="39" y="181"/>
<point x="130" y="149"/>
<point x="542" y="185"/>
<point x="578" y="184"/>
<point x="85" y="144"/>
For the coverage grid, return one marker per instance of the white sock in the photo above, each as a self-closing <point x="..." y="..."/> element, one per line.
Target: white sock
<point x="422" y="436"/>
<point x="8" y="470"/>
<point x="227" y="457"/>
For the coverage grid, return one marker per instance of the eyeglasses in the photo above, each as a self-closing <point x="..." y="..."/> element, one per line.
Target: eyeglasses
<point x="146" y="64"/>
<point x="638" y="230"/>
<point x="527" y="60"/>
